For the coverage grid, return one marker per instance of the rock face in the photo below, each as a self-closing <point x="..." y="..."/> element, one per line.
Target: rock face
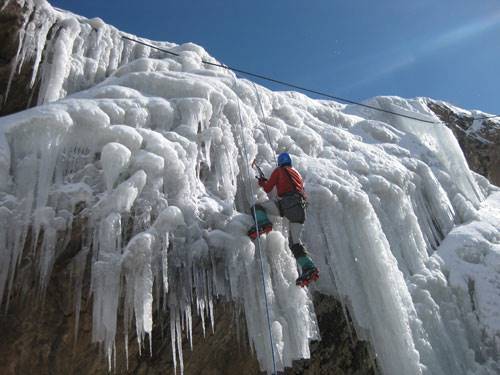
<point x="339" y="351"/>
<point x="479" y="142"/>
<point x="19" y="95"/>
<point x="41" y="340"/>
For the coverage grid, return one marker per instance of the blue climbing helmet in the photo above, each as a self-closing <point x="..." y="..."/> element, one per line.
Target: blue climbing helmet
<point x="284" y="159"/>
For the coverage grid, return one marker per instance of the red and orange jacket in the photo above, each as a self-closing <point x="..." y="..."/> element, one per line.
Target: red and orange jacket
<point x="283" y="182"/>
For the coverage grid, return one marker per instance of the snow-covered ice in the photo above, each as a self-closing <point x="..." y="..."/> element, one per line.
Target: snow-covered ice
<point x="149" y="148"/>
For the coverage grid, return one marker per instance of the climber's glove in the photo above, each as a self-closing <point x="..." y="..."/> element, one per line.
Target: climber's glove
<point x="262" y="181"/>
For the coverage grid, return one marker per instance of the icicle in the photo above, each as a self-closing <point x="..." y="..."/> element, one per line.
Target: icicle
<point x="137" y="264"/>
<point x="13" y="71"/>
<point x="211" y="312"/>
<point x="106" y="275"/>
<point x="126" y="351"/>
<point x="24" y="44"/>
<point x="164" y="263"/>
<point x="5" y="248"/>
<point x="178" y="335"/>
<point x="54" y="75"/>
<point x="189" y="325"/>
<point x="41" y="35"/>
<point x="173" y="339"/>
<point x="6" y="2"/>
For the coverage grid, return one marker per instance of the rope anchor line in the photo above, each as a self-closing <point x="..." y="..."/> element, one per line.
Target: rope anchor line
<point x="301" y="88"/>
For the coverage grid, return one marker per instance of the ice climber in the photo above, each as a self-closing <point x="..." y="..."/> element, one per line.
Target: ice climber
<point x="291" y="204"/>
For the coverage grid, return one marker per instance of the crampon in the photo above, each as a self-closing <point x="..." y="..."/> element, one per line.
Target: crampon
<point x="253" y="232"/>
<point x="307" y="277"/>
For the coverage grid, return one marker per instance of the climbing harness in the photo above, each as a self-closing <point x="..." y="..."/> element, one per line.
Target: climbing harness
<point x="259" y="246"/>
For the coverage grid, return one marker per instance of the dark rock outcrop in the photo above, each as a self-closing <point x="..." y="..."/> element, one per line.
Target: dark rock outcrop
<point x="20" y="95"/>
<point x="481" y="146"/>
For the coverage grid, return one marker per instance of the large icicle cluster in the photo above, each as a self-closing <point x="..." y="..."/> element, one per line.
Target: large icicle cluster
<point x="148" y="164"/>
<point x="77" y="52"/>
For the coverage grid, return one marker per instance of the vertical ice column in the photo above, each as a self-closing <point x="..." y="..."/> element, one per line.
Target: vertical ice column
<point x="32" y="143"/>
<point x="106" y="275"/>
<point x="291" y="315"/>
<point x="295" y="322"/>
<point x="139" y="284"/>
<point x="381" y="303"/>
<point x="46" y="221"/>
<point x="5" y="248"/>
<point x="55" y="72"/>
<point x="440" y="141"/>
<point x="115" y="158"/>
<point x="167" y="222"/>
<point x="399" y="223"/>
<point x="16" y="63"/>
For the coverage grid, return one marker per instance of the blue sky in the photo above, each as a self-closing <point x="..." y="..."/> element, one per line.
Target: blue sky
<point x="444" y="49"/>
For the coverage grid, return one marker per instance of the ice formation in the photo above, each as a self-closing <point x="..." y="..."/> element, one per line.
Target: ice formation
<point x="145" y="153"/>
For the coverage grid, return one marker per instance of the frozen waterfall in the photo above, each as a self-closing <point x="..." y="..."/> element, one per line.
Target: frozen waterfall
<point x="144" y="153"/>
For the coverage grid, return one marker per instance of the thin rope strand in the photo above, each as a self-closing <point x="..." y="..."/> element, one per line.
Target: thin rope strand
<point x="258" y="238"/>
<point x="300" y="88"/>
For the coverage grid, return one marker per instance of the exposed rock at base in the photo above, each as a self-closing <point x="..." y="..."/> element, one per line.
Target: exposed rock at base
<point x="339" y="351"/>
<point x="41" y="340"/>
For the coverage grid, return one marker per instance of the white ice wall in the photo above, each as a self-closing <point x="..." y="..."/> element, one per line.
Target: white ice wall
<point x="153" y="158"/>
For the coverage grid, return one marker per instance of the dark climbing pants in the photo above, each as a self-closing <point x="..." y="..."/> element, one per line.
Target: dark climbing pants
<point x="294" y="229"/>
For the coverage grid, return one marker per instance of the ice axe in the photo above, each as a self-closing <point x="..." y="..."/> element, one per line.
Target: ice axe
<point x="258" y="169"/>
